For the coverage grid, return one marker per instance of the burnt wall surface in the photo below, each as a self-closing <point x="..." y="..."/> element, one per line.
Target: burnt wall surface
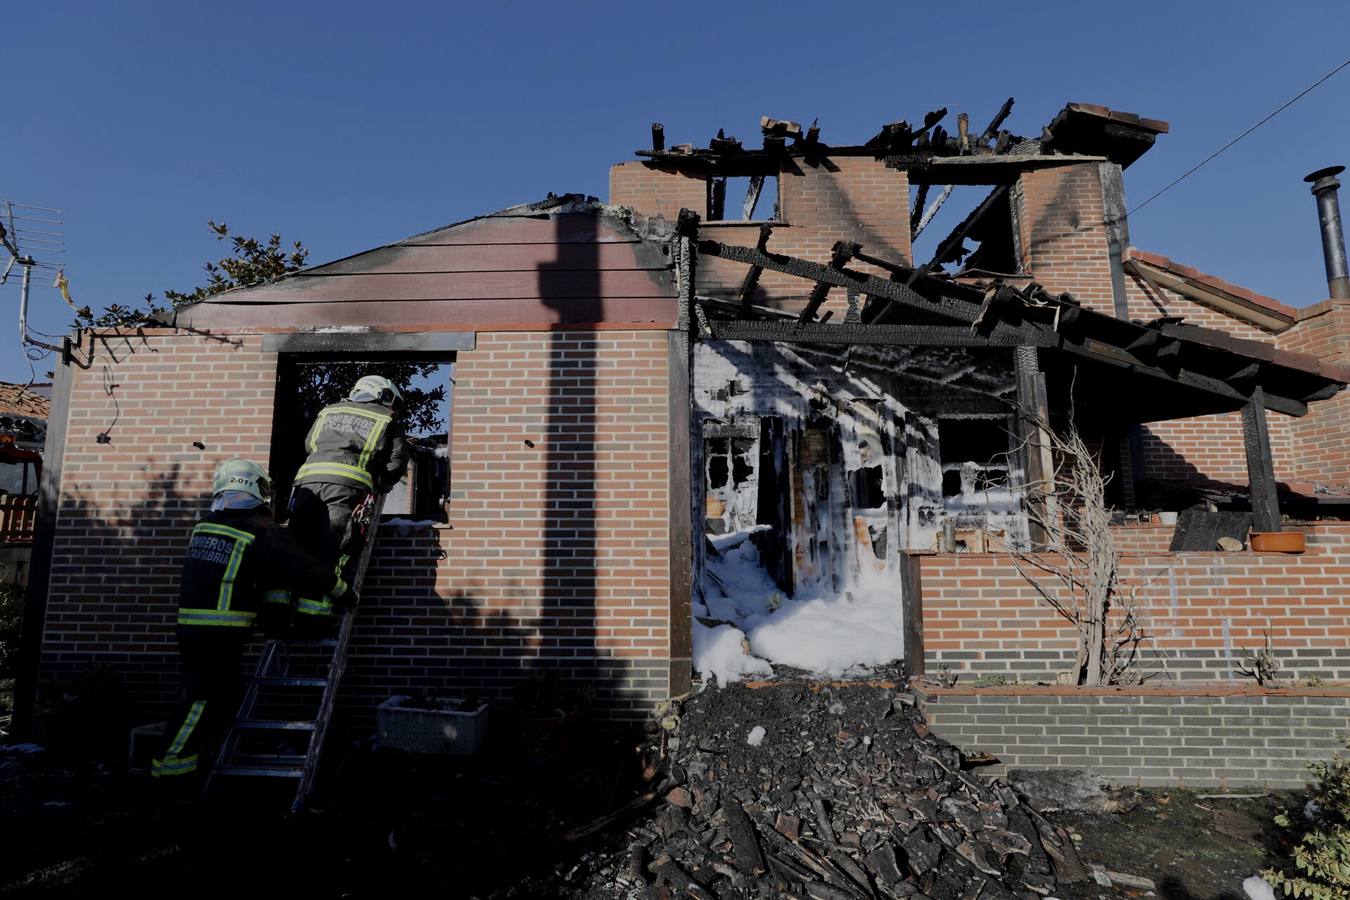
<point x="1148" y="740"/>
<point x="555" y="556"/>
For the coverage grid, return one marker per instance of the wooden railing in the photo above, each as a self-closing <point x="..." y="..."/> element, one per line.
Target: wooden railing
<point x="18" y="518"/>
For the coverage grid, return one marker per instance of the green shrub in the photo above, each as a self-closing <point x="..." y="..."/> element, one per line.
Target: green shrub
<point x="1321" y="860"/>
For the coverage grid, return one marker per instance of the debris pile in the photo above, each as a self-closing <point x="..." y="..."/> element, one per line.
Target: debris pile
<point x="833" y="792"/>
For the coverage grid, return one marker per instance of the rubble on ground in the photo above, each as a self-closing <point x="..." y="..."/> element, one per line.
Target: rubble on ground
<point x="830" y="791"/>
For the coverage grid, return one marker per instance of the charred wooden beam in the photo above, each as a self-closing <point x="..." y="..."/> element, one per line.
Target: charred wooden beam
<point x="951" y="306"/>
<point x="948" y="300"/>
<point x="1030" y="422"/>
<point x="812" y="137"/>
<point x="658" y="137"/>
<point x="1001" y="335"/>
<point x="992" y="128"/>
<point x="724" y="144"/>
<point x="751" y="280"/>
<point x="752" y="196"/>
<point x="1260" y="467"/>
<point x="717" y="199"/>
<point x="843" y="251"/>
<point x="950" y="250"/>
<point x="916" y="213"/>
<point x="931" y="211"/>
<point x="895" y="268"/>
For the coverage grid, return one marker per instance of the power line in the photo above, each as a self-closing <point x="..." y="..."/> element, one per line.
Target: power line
<point x="1202" y="162"/>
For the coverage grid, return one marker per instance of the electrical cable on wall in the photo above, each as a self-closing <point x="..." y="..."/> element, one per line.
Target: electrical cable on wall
<point x="110" y="388"/>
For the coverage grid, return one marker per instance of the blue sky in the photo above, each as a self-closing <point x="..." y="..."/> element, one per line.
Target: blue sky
<point x="352" y="125"/>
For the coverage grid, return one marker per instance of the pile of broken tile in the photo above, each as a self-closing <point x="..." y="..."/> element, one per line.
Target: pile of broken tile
<point x="826" y="791"/>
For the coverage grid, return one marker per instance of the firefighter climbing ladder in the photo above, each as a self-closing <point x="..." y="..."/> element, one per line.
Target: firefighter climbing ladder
<point x="271" y="672"/>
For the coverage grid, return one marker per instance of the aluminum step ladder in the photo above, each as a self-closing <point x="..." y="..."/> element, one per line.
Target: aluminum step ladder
<point x="272" y="672"/>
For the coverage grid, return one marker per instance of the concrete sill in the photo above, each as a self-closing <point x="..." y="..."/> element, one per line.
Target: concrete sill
<point x="1192" y="689"/>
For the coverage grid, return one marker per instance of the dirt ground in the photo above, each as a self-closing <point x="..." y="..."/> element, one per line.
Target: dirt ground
<point x="393" y="826"/>
<point x="1192" y="846"/>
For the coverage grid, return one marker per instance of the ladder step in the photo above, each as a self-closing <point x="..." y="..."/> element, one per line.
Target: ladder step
<point x="291" y="681"/>
<point x="260" y="771"/>
<point x="317" y="642"/>
<point x="273" y="725"/>
<point x="268" y="759"/>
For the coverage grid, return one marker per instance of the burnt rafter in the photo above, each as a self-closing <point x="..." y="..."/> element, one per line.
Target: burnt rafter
<point x="843" y="251"/>
<point x="998" y="315"/>
<point x="952" y="249"/>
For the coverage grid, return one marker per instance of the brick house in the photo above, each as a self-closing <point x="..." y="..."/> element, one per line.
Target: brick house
<point x="604" y="355"/>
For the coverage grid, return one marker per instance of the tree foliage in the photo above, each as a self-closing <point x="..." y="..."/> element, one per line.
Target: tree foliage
<point x="252" y="262"/>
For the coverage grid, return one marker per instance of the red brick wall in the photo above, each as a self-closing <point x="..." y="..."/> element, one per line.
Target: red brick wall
<point x="1202" y="611"/>
<point x="557" y="551"/>
<point x="655" y="190"/>
<point x="1211" y="448"/>
<point x="556" y="554"/>
<point x="1322" y="438"/>
<point x="1206" y="447"/>
<point x="845" y="198"/>
<point x="1063" y="235"/>
<point x="126" y="506"/>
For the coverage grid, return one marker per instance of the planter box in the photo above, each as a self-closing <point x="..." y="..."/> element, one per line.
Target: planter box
<point x="450" y="731"/>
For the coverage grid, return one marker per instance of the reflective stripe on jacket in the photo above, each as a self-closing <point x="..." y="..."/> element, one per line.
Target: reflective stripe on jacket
<point x="354" y="443"/>
<point x="233" y="555"/>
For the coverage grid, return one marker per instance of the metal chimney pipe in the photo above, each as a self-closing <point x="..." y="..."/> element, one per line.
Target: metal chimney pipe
<point x="1324" y="186"/>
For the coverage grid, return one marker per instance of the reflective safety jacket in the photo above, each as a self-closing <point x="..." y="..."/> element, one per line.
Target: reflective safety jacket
<point x="233" y="556"/>
<point x="355" y="443"/>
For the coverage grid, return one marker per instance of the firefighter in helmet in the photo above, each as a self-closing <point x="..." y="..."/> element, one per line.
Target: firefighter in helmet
<point x="235" y="552"/>
<point x="356" y="451"/>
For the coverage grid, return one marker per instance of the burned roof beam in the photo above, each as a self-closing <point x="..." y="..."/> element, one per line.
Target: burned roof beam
<point x="951" y="247"/>
<point x="950" y="306"/>
<point x="843" y="251"/>
<point x="751" y="280"/>
<point x="1096" y="337"/>
<point x="916" y="214"/>
<point x="752" y="197"/>
<point x="1001" y="334"/>
<point x="992" y="128"/>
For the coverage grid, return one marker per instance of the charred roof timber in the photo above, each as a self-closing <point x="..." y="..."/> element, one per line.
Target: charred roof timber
<point x="927" y="151"/>
<point x="1209" y="370"/>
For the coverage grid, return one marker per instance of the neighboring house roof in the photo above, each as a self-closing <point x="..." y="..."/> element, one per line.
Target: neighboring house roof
<point x="568" y="259"/>
<point x="24" y="400"/>
<point x="1211" y="290"/>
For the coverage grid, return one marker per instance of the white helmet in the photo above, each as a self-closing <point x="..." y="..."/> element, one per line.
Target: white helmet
<point x="242" y="475"/>
<point x="378" y="388"/>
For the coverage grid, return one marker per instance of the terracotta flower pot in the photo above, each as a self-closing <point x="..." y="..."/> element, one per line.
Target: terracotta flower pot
<point x="1279" y="541"/>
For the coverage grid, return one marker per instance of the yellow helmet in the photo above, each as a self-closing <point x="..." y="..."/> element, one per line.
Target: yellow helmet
<point x="242" y="475"/>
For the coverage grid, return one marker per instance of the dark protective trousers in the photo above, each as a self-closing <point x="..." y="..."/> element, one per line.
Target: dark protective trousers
<point x="320" y="513"/>
<point x="213" y="685"/>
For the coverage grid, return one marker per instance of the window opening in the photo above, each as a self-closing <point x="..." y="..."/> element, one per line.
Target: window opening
<point x="974" y="457"/>
<point x="306" y="385"/>
<point x="751" y="198"/>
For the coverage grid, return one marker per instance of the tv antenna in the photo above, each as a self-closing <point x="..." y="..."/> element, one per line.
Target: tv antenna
<point x="34" y="242"/>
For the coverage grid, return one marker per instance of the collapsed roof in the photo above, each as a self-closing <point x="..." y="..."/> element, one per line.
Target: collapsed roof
<point x="1146" y="371"/>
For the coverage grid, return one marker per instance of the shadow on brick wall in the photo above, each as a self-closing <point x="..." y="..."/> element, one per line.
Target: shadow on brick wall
<point x="108" y="656"/>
